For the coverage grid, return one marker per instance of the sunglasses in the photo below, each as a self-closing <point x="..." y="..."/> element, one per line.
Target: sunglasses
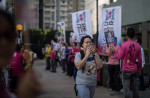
<point x="7" y="35"/>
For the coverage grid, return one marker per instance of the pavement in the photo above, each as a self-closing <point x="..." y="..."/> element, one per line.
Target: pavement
<point x="58" y="85"/>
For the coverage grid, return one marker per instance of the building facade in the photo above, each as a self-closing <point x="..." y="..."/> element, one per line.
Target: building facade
<point x="91" y="5"/>
<point x="55" y="11"/>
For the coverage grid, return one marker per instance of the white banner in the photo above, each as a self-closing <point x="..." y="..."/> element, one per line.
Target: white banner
<point x="81" y="22"/>
<point x="110" y="28"/>
<point x="2" y="4"/>
<point x="62" y="31"/>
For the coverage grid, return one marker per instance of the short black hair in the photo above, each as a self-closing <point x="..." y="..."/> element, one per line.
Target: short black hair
<point x="130" y="33"/>
<point x="139" y="41"/>
<point x="82" y="40"/>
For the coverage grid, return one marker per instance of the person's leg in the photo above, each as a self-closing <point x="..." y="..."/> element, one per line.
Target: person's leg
<point x="52" y="62"/>
<point x="67" y="64"/>
<point x="134" y="84"/>
<point x="48" y="63"/>
<point x="55" y="65"/>
<point x="92" y="91"/>
<point x="117" y="81"/>
<point x="111" y="76"/>
<point x="141" y="78"/>
<point x="126" y="86"/>
<point x="83" y="91"/>
<point x="63" y="65"/>
<point x="72" y="69"/>
<point x="75" y="72"/>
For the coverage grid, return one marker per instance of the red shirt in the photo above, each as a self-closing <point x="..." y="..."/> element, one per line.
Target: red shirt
<point x="74" y="51"/>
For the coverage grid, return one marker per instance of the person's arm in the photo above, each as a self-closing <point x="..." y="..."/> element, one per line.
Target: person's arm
<point x="120" y="54"/>
<point x="98" y="60"/>
<point x="108" y="52"/>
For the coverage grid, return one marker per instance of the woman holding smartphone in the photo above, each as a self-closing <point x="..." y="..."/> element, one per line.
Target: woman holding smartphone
<point x="87" y="61"/>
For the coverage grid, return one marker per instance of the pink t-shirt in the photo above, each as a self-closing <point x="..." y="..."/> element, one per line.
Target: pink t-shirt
<point x="17" y="64"/>
<point x="53" y="55"/>
<point x="129" y="52"/>
<point x="113" y="60"/>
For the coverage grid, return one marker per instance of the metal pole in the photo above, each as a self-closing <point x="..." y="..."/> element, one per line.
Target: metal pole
<point x="97" y="22"/>
<point x="41" y="14"/>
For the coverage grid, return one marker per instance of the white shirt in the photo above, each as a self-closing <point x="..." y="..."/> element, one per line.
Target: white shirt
<point x="143" y="57"/>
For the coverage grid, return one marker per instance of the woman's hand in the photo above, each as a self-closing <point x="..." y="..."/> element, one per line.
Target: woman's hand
<point x="88" y="52"/>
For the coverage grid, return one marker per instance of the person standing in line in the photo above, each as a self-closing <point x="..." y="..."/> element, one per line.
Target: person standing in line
<point x="68" y="50"/>
<point x="76" y="50"/>
<point x="53" y="60"/>
<point x="87" y="63"/>
<point x="71" y="60"/>
<point x="130" y="51"/>
<point x="141" y="78"/>
<point x="113" y="68"/>
<point x="63" y="56"/>
<point x="17" y="68"/>
<point x="47" y="54"/>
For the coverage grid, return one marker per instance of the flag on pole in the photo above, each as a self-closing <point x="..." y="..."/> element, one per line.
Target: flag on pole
<point x="110" y="28"/>
<point x="81" y="22"/>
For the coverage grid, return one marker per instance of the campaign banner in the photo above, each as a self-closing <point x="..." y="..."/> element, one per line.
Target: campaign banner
<point x="62" y="32"/>
<point x="81" y="22"/>
<point x="110" y="28"/>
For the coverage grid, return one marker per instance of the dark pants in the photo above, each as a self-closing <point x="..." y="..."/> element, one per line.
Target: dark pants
<point x="71" y="68"/>
<point x="141" y="78"/>
<point x="114" y="77"/>
<point x="57" y="60"/>
<point x="14" y="83"/>
<point x="48" y="66"/>
<point x="53" y="63"/>
<point x="67" y="65"/>
<point x="75" y="72"/>
<point x="63" y="65"/>
<point x="130" y="79"/>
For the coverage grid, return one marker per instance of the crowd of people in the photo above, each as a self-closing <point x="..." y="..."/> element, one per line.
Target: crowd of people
<point x="81" y="61"/>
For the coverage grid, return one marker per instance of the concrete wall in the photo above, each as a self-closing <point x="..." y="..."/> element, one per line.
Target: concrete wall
<point x="133" y="11"/>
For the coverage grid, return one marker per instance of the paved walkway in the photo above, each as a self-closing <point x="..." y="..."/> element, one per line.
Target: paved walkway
<point x="57" y="85"/>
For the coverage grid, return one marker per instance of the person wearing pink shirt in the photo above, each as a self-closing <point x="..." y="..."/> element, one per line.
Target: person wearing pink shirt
<point x="113" y="68"/>
<point x="17" y="67"/>
<point x="129" y="52"/>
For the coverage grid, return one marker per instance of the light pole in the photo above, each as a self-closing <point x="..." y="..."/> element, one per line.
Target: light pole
<point x="97" y="22"/>
<point x="19" y="39"/>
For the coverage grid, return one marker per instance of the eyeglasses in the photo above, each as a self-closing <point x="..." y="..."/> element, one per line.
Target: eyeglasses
<point x="87" y="42"/>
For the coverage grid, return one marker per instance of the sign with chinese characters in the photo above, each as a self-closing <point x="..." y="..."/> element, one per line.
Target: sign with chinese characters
<point x="81" y="22"/>
<point x="110" y="28"/>
<point x="62" y="32"/>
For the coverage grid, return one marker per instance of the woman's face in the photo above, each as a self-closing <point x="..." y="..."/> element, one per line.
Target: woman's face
<point x="86" y="43"/>
<point x="7" y="42"/>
